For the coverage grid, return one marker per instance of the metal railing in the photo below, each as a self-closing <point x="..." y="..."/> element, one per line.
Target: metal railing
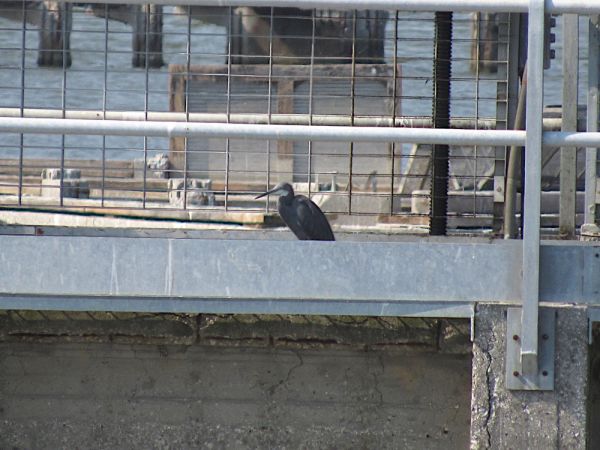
<point x="92" y="90"/>
<point x="264" y="126"/>
<point x="533" y="139"/>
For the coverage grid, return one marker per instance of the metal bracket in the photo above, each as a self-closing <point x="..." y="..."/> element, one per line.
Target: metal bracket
<point x="516" y="378"/>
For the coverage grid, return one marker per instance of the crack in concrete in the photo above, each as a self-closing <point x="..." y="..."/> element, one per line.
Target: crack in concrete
<point x="490" y="405"/>
<point x="271" y="390"/>
<point x="300" y="364"/>
<point x="490" y="389"/>
<point x="376" y="378"/>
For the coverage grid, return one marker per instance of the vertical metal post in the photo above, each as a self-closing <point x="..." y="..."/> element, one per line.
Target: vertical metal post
<point x="352" y="112"/>
<point x="394" y="111"/>
<point x="188" y="80"/>
<point x="311" y="90"/>
<point x="22" y="100"/>
<point x="506" y="92"/>
<point x="228" y="106"/>
<point x="533" y="171"/>
<point x="568" y="156"/>
<point x="592" y="121"/>
<point x="270" y="97"/>
<point x="104" y="103"/>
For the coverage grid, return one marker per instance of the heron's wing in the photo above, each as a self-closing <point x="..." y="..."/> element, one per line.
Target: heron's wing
<point x="312" y="220"/>
<point x="290" y="216"/>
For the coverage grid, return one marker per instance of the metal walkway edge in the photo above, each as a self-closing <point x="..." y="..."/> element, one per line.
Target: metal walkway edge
<point x="428" y="279"/>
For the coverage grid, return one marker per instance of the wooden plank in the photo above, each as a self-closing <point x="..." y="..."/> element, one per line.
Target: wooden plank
<point x="177" y="103"/>
<point x="89" y="168"/>
<point x="593" y="84"/>
<point x="160" y="184"/>
<point x="152" y="196"/>
<point x="80" y="163"/>
<point x="260" y="72"/>
<point x="403" y="220"/>
<point x="568" y="156"/>
<point x="120" y="208"/>
<point x="131" y="184"/>
<point x="285" y="105"/>
<point x="10" y="185"/>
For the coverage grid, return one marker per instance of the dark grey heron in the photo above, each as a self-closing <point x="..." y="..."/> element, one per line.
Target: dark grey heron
<point x="301" y="214"/>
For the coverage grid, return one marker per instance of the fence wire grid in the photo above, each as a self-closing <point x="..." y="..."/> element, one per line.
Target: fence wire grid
<point x="258" y="65"/>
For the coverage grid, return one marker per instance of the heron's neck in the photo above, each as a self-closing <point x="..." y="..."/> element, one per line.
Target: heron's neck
<point x="287" y="198"/>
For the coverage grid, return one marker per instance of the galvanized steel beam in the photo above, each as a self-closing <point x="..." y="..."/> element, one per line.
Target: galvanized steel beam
<point x="203" y="305"/>
<point x="533" y="176"/>
<point x="421" y="278"/>
<point x="255" y="269"/>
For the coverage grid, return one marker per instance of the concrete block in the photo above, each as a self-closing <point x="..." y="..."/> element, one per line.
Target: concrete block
<point x="590" y="232"/>
<point x="156" y="167"/>
<point x="505" y="419"/>
<point x="197" y="192"/>
<point x="72" y="184"/>
<point x="54" y="174"/>
<point x="419" y="202"/>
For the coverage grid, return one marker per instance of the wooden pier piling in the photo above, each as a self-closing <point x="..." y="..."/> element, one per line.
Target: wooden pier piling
<point x="55" y="34"/>
<point x="147" y="25"/>
<point x="484" y="44"/>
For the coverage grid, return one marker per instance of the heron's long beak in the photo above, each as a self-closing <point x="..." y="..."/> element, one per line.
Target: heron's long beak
<point x="264" y="194"/>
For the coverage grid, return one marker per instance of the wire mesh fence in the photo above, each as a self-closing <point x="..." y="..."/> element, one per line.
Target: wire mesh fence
<point x="256" y="65"/>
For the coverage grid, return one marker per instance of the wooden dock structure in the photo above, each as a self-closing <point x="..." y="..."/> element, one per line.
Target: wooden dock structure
<point x="289" y="29"/>
<point x="54" y="19"/>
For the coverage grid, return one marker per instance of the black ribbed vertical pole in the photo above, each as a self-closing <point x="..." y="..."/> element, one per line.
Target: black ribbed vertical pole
<point x="441" y="119"/>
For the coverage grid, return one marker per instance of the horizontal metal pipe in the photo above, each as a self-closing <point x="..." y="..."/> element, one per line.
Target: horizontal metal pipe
<point x="571" y="139"/>
<point x="254" y="131"/>
<point x="550" y="123"/>
<point x="280" y="119"/>
<point x="552" y="6"/>
<point x="583" y="7"/>
<point x="291" y="132"/>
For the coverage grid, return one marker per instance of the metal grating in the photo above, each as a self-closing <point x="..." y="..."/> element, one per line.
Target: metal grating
<point x="244" y="65"/>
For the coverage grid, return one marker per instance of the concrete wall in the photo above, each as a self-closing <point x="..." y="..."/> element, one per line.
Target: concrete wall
<point x="98" y="380"/>
<point x="594" y="390"/>
<point x="236" y="390"/>
<point x="530" y="419"/>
